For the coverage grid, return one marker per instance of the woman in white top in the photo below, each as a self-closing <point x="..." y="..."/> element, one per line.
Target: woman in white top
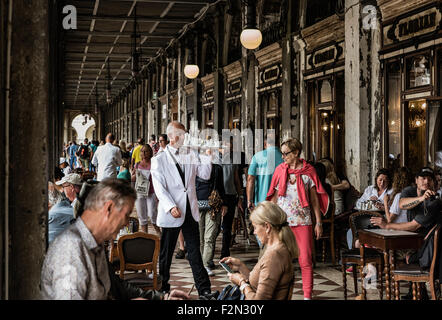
<point x="147" y="202"/>
<point x="377" y="191"/>
<point x="402" y="178"/>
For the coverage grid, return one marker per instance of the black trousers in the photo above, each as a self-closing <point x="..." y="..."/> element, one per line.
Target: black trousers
<point x="169" y="237"/>
<point x="232" y="202"/>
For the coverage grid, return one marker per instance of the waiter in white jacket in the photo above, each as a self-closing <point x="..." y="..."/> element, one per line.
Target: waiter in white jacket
<point x="173" y="177"/>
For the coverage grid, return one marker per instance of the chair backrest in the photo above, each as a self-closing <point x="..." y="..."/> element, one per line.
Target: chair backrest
<point x="291" y="288"/>
<point x="350" y="197"/>
<point x="361" y="220"/>
<point x="434" y="269"/>
<point x="138" y="251"/>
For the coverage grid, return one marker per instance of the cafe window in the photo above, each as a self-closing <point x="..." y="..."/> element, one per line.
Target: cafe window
<point x="234" y="114"/>
<point x="415" y="135"/>
<point x="418" y="71"/>
<point x="325" y="91"/>
<point x="326" y="101"/>
<point x="434" y="134"/>
<point x="394" y="113"/>
<point x="209" y="116"/>
<point x="273" y="113"/>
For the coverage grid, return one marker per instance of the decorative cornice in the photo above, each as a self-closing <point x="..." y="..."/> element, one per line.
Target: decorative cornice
<point x="188" y="89"/>
<point x="233" y="70"/>
<point x="269" y="55"/>
<point x="393" y="8"/>
<point x="331" y="29"/>
<point x="208" y="81"/>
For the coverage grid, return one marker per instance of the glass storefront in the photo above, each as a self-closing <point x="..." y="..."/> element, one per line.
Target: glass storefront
<point x="413" y="110"/>
<point x="326" y="100"/>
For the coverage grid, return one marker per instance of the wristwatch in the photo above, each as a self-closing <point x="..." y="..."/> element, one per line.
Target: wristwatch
<point x="319" y="224"/>
<point x="243" y="286"/>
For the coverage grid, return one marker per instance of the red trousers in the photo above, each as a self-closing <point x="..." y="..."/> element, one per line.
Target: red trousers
<point x="304" y="239"/>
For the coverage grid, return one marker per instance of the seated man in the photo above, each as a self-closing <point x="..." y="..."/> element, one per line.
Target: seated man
<point x="61" y="213"/>
<point x="75" y="266"/>
<point x="423" y="211"/>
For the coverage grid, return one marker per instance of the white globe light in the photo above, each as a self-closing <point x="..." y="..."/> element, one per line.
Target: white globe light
<point x="251" y="38"/>
<point x="191" y="71"/>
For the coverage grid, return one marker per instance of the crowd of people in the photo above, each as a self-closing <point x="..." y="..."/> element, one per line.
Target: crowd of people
<point x="190" y="197"/>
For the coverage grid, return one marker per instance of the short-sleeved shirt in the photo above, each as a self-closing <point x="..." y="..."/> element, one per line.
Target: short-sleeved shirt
<point x="394" y="209"/>
<point x="296" y="214"/>
<point x="136" y="154"/>
<point x="124" y="175"/>
<point x="426" y="219"/>
<point x="263" y="166"/>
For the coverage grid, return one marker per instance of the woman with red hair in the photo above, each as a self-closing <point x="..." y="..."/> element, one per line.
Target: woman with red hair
<point x="296" y="188"/>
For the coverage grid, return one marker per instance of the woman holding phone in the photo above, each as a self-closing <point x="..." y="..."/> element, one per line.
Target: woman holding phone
<point x="273" y="275"/>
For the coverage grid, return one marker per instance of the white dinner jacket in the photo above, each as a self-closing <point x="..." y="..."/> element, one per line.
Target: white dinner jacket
<point x="169" y="187"/>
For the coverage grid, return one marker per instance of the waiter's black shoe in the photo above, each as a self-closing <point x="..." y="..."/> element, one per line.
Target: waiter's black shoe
<point x="181" y="254"/>
<point x="409" y="295"/>
<point x="209" y="295"/>
<point x="424" y="293"/>
<point x="211" y="265"/>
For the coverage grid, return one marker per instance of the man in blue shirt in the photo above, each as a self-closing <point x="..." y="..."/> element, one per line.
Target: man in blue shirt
<point x="260" y="172"/>
<point x="61" y="213"/>
<point x="72" y="155"/>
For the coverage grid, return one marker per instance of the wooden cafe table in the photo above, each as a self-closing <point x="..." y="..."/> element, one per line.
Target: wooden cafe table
<point x="387" y="240"/>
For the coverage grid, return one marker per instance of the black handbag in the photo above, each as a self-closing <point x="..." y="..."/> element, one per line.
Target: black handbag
<point x="231" y="293"/>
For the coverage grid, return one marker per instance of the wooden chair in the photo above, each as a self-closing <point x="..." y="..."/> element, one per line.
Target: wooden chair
<point x="330" y="235"/>
<point x="414" y="274"/>
<point x="291" y="289"/>
<point x="140" y="251"/>
<point x="361" y="220"/>
<point x="113" y="247"/>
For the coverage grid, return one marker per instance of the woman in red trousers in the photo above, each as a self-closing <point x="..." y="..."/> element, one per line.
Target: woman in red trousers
<point x="297" y="190"/>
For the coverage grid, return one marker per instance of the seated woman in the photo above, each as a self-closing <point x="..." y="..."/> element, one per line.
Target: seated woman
<point x="273" y="275"/>
<point x="322" y="173"/>
<point x="402" y="178"/>
<point x="338" y="186"/>
<point x="378" y="190"/>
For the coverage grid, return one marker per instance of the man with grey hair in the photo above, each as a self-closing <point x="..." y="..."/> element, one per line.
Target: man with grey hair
<point x="174" y="173"/>
<point x="75" y="266"/>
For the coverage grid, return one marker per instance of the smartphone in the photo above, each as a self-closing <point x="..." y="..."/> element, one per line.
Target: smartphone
<point x="226" y="267"/>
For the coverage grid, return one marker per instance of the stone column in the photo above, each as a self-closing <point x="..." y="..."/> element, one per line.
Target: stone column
<point x="28" y="135"/>
<point x="363" y="118"/>
<point x="248" y="90"/>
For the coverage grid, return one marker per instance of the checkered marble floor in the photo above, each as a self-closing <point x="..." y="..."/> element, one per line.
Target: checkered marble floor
<point x="327" y="278"/>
